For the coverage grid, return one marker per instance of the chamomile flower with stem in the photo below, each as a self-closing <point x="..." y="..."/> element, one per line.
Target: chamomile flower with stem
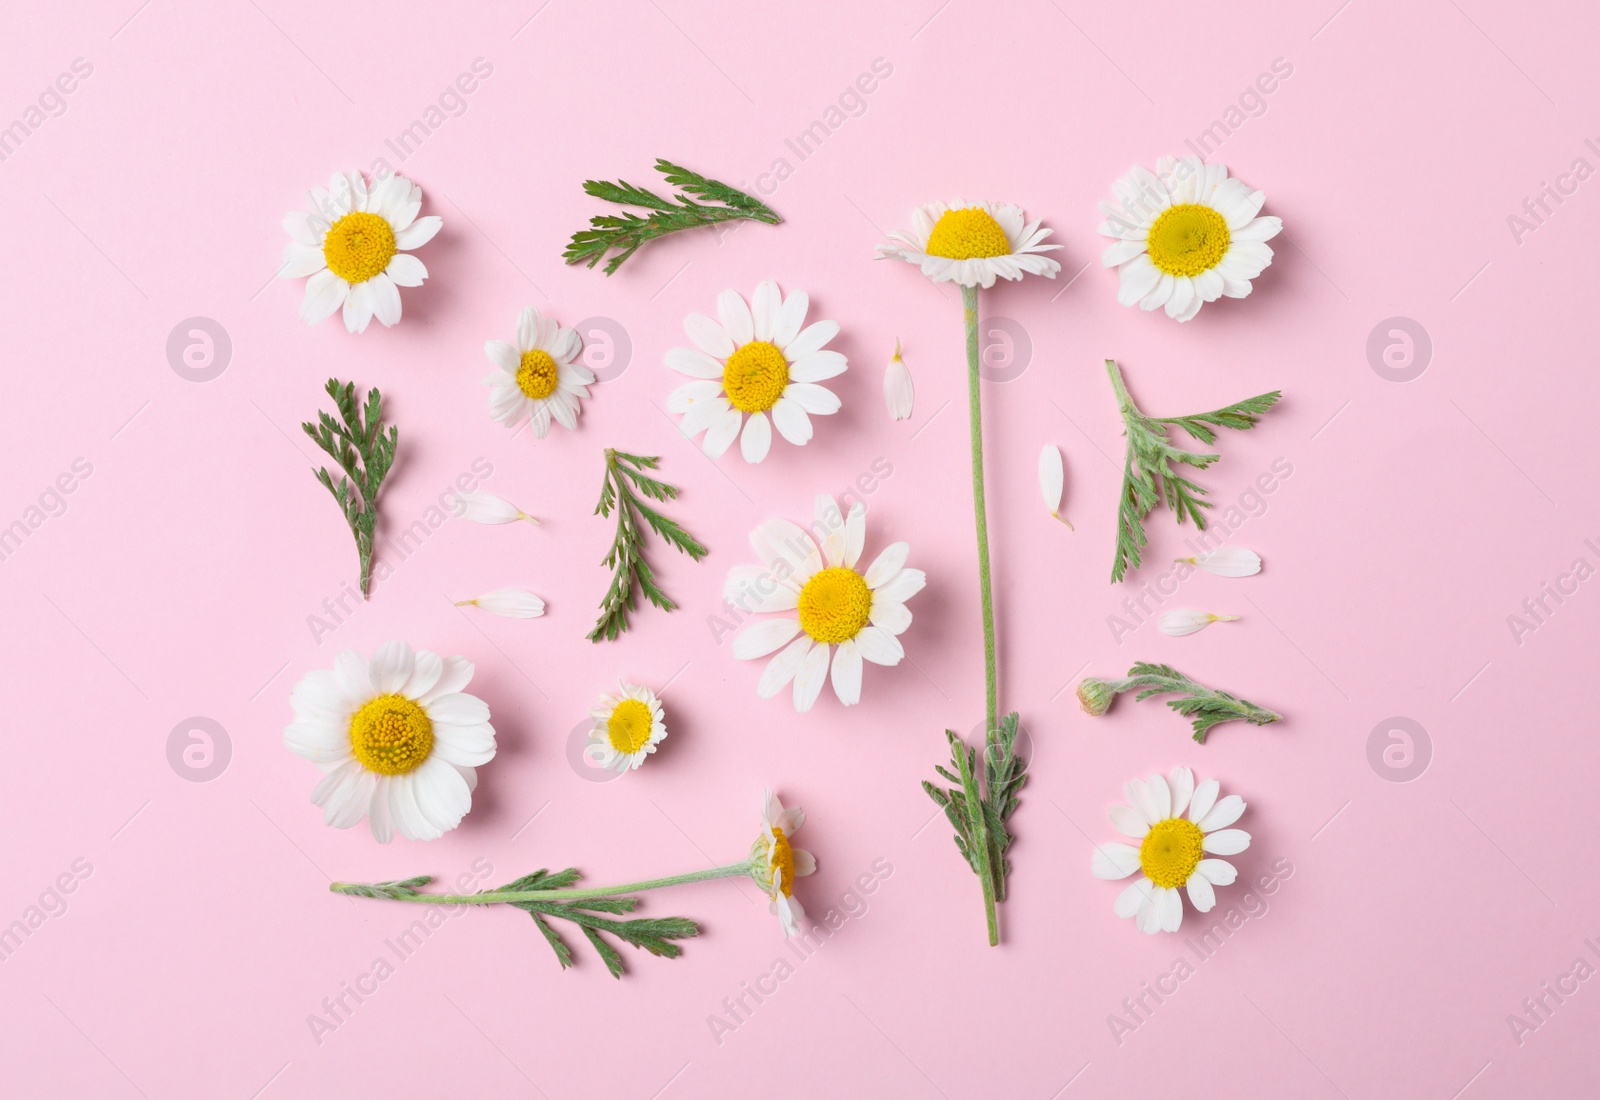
<point x="627" y="728"/>
<point x="972" y="244"/>
<point x="842" y="615"/>
<point x="355" y="243"/>
<point x="540" y="379"/>
<point x="772" y="862"/>
<point x="754" y="362"/>
<point x="1182" y="828"/>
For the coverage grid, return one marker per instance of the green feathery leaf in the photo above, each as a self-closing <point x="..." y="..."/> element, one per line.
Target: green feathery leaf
<point x="1207" y="707"/>
<point x="364" y="453"/>
<point x="993" y="789"/>
<point x="625" y="482"/>
<point x="623" y="234"/>
<point x="1150" y="467"/>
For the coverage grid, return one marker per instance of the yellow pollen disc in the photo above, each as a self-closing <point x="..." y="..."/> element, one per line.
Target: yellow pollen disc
<point x="1188" y="239"/>
<point x="754" y="376"/>
<point x="537" y="376"/>
<point x="1171" y="851"/>
<point x="967" y="234"/>
<point x="628" y="728"/>
<point x="359" y="246"/>
<point x="834" y="605"/>
<point x="391" y="735"/>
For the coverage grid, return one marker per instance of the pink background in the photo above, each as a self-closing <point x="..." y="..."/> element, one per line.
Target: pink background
<point x="179" y="580"/>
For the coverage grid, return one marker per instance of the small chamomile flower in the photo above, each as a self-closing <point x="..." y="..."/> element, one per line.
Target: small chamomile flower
<point x="757" y="362"/>
<point x="356" y="244"/>
<point x="775" y="863"/>
<point x="539" y="377"/>
<point x="1174" y="847"/>
<point x="627" y="728"/>
<point x="972" y="243"/>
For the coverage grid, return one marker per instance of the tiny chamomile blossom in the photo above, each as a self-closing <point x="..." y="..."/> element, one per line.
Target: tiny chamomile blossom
<point x="972" y="243"/>
<point x="355" y="243"/>
<point x="627" y="728"/>
<point x="776" y="863"/>
<point x="398" y="741"/>
<point x="756" y="362"/>
<point x="1173" y="848"/>
<point x="539" y="377"/>
<point x="838" y="609"/>
<point x="1185" y="234"/>
<point x="1176" y="624"/>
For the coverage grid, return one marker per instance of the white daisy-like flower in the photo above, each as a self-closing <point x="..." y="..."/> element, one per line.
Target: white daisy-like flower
<point x="398" y="739"/>
<point x="776" y="863"/>
<point x="627" y="728"/>
<point x="539" y="376"/>
<point x="856" y="616"/>
<point x="1185" y="235"/>
<point x="972" y="243"/>
<point x="757" y="362"/>
<point x="355" y="243"/>
<point x="1173" y="847"/>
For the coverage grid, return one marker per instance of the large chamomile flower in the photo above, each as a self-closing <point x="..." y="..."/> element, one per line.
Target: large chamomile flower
<point x="1173" y="846"/>
<point x="757" y="362"/>
<point x="627" y="728"/>
<point x="398" y="739"/>
<point x="1185" y="235"/>
<point x="972" y="243"/>
<point x="856" y="616"/>
<point x="775" y="863"/>
<point x="355" y="244"/>
<point x="538" y="375"/>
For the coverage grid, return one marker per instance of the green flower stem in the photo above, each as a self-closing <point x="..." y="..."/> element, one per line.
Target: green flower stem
<point x="492" y="897"/>
<point x="980" y="516"/>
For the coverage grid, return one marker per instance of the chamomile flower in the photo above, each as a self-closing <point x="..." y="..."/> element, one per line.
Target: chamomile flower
<point x="757" y="362"/>
<point x="1185" y="234"/>
<point x="1178" y="826"/>
<point x="355" y="243"/>
<point x="972" y="243"/>
<point x="838" y="610"/>
<point x="627" y="728"/>
<point x="398" y="740"/>
<point x="775" y="863"/>
<point x="538" y="376"/>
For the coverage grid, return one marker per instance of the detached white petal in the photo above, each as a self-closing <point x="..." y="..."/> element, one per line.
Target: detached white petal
<point x="1052" y="476"/>
<point x="481" y="507"/>
<point x="1178" y="623"/>
<point x="897" y="389"/>
<point x="1227" y="561"/>
<point x="513" y="603"/>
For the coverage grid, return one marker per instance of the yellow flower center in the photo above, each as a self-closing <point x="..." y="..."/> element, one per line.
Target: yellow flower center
<point x="1188" y="239"/>
<point x="755" y="376"/>
<point x="537" y="376"/>
<point x="834" y="605"/>
<point x="1171" y="851"/>
<point x="967" y="234"/>
<point x="391" y="735"/>
<point x="359" y="246"/>
<point x="628" y="728"/>
<point x="776" y="855"/>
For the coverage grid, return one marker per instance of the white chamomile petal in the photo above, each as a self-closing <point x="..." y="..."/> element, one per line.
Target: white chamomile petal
<point x="1187" y="621"/>
<point x="483" y="507"/>
<point x="898" y="392"/>
<point x="397" y="750"/>
<point x="1227" y="561"/>
<point x="510" y="603"/>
